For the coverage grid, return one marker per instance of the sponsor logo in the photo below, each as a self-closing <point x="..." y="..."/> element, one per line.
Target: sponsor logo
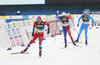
<point x="91" y="12"/>
<point x="85" y="18"/>
<point x="39" y="25"/>
<point x="64" y="19"/>
<point x="97" y="22"/>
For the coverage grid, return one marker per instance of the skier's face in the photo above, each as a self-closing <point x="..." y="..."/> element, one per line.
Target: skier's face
<point x="39" y="21"/>
<point x="63" y="16"/>
<point x="85" y="15"/>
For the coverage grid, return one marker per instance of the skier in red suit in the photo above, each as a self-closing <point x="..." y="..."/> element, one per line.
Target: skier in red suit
<point x="39" y="26"/>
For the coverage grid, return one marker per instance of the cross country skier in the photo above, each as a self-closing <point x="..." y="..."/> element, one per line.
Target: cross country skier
<point x="66" y="28"/>
<point x="85" y="21"/>
<point x="39" y="26"/>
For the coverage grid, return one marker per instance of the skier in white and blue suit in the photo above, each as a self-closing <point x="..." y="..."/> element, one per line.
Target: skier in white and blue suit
<point x="85" y="22"/>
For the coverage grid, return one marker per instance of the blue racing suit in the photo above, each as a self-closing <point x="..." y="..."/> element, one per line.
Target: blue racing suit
<point x="85" y="22"/>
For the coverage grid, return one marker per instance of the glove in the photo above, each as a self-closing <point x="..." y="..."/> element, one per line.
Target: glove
<point x="92" y="25"/>
<point x="48" y="31"/>
<point x="57" y="12"/>
<point x="33" y="33"/>
<point x="77" y="25"/>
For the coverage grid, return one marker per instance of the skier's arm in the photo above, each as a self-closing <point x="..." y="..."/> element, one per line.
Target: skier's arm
<point x="48" y="28"/>
<point x="46" y="23"/>
<point x="57" y="15"/>
<point x="91" y="19"/>
<point x="79" y="19"/>
<point x="70" y="17"/>
<point x="33" y="28"/>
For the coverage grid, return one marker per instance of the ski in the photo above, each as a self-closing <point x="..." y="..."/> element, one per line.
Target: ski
<point x="19" y="53"/>
<point x="78" y="46"/>
<point x="75" y="42"/>
<point x="74" y="45"/>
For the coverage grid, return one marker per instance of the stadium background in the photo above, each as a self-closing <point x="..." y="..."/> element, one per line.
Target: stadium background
<point x="51" y="6"/>
<point x="10" y="19"/>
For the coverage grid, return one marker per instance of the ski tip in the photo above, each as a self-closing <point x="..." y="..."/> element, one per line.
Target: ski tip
<point x="78" y="46"/>
<point x="19" y="53"/>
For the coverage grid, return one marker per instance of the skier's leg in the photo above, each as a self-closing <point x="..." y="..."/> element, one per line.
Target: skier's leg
<point x="65" y="35"/>
<point x="86" y="30"/>
<point x="80" y="31"/>
<point x="69" y="32"/>
<point x="40" y="43"/>
<point x="35" y="36"/>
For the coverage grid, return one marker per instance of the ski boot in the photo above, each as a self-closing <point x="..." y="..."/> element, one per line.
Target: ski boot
<point x="86" y="43"/>
<point x="65" y="45"/>
<point x="73" y="42"/>
<point x="24" y="50"/>
<point x="40" y="54"/>
<point x="77" y="40"/>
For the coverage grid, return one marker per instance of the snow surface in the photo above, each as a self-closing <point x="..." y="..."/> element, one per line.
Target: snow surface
<point x="52" y="53"/>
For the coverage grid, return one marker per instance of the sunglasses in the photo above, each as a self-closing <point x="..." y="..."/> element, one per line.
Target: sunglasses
<point x="85" y="14"/>
<point x="38" y="20"/>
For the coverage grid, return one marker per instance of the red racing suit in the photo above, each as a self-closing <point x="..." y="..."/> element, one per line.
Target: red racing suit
<point x="39" y="31"/>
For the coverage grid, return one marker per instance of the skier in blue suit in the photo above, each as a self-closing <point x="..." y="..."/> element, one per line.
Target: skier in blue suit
<point x="66" y="28"/>
<point x="85" y="22"/>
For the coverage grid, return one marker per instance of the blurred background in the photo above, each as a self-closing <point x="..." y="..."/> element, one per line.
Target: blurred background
<point x="47" y="7"/>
